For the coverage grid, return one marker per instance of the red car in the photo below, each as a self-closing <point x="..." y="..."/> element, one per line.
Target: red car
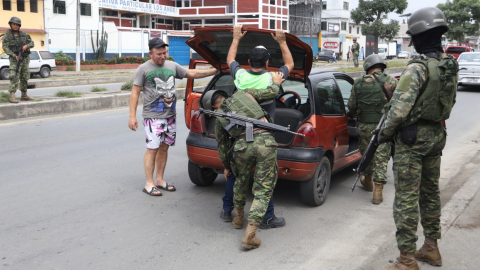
<point x="456" y="50"/>
<point x="311" y="104"/>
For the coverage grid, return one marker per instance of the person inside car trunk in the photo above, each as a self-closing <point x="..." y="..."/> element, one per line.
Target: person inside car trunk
<point x="243" y="156"/>
<point x="256" y="77"/>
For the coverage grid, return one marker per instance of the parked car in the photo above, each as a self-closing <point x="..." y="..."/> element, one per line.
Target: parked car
<point x="415" y="55"/>
<point x="404" y="55"/>
<point x="325" y="55"/>
<point x="311" y="104"/>
<point x="41" y="62"/>
<point x="457" y="50"/>
<point x="469" y="64"/>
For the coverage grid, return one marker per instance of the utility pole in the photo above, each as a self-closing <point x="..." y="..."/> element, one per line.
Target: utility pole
<point x="77" y="55"/>
<point x="311" y="23"/>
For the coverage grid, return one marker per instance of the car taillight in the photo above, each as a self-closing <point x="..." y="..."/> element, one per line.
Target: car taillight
<point x="196" y="124"/>
<point x="309" y="140"/>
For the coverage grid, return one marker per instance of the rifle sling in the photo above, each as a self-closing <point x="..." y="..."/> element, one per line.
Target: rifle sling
<point x="382" y="86"/>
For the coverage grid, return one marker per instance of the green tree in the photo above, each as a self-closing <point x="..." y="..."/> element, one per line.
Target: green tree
<point x="372" y="13"/>
<point x="462" y="17"/>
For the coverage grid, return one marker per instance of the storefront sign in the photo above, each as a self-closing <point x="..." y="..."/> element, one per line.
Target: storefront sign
<point x="330" y="45"/>
<point x="136" y="6"/>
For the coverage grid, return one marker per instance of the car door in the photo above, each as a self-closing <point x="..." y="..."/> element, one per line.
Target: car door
<point x="333" y="120"/>
<point x="35" y="62"/>
<point x="192" y="95"/>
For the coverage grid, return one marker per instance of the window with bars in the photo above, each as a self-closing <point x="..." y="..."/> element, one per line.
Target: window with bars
<point x="111" y="13"/>
<point x="272" y="2"/>
<point x="34" y="6"/>
<point x="85" y="9"/>
<point x="272" y="24"/>
<point x="7" y="5"/>
<point x="344" y="26"/>
<point x="59" y="7"/>
<point x="350" y="30"/>
<point x="345" y="5"/>
<point x="20" y="5"/>
<point x="284" y="25"/>
<point x="324" y="26"/>
<point x="324" y="5"/>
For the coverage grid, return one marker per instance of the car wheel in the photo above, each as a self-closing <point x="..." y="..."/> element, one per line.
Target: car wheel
<point x="201" y="176"/>
<point x="45" y="72"/>
<point x="314" y="191"/>
<point x="5" y="73"/>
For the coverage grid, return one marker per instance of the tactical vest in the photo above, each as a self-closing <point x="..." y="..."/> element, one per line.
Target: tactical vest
<point x="240" y="104"/>
<point x="244" y="80"/>
<point x="370" y="99"/>
<point x="16" y="43"/>
<point x="437" y="97"/>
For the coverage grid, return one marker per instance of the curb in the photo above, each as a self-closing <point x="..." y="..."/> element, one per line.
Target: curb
<point x="68" y="82"/>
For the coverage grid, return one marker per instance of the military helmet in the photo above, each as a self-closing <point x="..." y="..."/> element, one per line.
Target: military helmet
<point x="373" y="59"/>
<point x="425" y="19"/>
<point x="15" y="20"/>
<point x="354" y="39"/>
<point x="207" y="100"/>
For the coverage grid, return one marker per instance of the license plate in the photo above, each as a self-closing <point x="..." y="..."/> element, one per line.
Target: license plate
<point x="472" y="80"/>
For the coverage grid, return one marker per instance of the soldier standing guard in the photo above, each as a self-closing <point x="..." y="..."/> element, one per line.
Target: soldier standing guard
<point x="369" y="95"/>
<point x="16" y="41"/>
<point x="423" y="99"/>
<point x="355" y="51"/>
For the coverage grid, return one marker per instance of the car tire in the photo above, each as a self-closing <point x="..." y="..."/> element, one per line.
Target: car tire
<point x="5" y="73"/>
<point x="201" y="176"/>
<point x="314" y="191"/>
<point x="45" y="72"/>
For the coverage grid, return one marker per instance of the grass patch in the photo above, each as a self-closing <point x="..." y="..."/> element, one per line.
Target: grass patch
<point x="396" y="64"/>
<point x="68" y="94"/>
<point x="127" y="85"/>
<point x="99" y="89"/>
<point x="97" y="68"/>
<point x="351" y="69"/>
<point x="4" y="97"/>
<point x="71" y="69"/>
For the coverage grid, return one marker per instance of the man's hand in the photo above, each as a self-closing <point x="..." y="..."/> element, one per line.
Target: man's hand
<point x="277" y="77"/>
<point x="237" y="32"/>
<point x="382" y="138"/>
<point x="132" y="123"/>
<point x="226" y="173"/>
<point x="279" y="36"/>
<point x="24" y="48"/>
<point x="16" y="57"/>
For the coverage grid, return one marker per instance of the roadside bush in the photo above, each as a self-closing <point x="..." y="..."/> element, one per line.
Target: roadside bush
<point x="68" y="94"/>
<point x="127" y="85"/>
<point x="98" y="89"/>
<point x="61" y="56"/>
<point x="4" y="97"/>
<point x="111" y="61"/>
<point x="170" y="58"/>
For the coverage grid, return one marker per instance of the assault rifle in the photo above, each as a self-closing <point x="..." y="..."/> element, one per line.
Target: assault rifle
<point x="248" y="123"/>
<point x="369" y="153"/>
<point x="19" y="59"/>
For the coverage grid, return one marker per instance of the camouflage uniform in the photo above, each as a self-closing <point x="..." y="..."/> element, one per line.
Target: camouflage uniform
<point x="378" y="166"/>
<point x="11" y="45"/>
<point x="355" y="52"/>
<point x="416" y="165"/>
<point x="261" y="154"/>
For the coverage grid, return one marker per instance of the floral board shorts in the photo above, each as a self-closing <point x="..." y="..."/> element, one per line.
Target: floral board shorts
<point x="158" y="131"/>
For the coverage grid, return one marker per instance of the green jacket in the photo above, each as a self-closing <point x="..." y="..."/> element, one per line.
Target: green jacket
<point x="12" y="43"/>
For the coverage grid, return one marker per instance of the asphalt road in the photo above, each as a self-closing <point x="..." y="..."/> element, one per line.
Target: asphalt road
<point x="70" y="198"/>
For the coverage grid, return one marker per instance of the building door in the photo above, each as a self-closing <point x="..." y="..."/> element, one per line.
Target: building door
<point x="179" y="50"/>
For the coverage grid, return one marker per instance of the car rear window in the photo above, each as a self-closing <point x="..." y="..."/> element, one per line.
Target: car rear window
<point x="456" y="50"/>
<point x="471" y="57"/>
<point x="46" y="55"/>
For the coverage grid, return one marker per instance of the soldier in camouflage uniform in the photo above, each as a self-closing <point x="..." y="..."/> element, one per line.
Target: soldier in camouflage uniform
<point x="16" y="41"/>
<point x="260" y="154"/>
<point x="367" y="101"/>
<point x="355" y="52"/>
<point x="423" y="99"/>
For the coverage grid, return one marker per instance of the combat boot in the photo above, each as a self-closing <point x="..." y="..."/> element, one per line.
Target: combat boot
<point x="24" y="97"/>
<point x="377" y="194"/>
<point x="406" y="261"/>
<point x="238" y="219"/>
<point x="249" y="241"/>
<point x="12" y="98"/>
<point x="367" y="182"/>
<point x="429" y="253"/>
<point x="273" y="222"/>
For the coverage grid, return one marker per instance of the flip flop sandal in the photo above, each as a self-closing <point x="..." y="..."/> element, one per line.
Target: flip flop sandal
<point x="151" y="192"/>
<point x="166" y="187"/>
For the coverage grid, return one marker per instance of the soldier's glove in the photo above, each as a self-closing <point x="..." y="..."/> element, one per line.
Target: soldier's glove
<point x="382" y="138"/>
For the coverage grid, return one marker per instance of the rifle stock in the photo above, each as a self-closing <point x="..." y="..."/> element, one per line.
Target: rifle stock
<point x="368" y="155"/>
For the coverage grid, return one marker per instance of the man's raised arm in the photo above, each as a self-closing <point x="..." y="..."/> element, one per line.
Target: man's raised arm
<point x="286" y="54"/>
<point x="237" y="36"/>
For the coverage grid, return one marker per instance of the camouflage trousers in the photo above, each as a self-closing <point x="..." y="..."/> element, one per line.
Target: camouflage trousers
<point x="378" y="166"/>
<point x="355" y="59"/>
<point x="23" y="74"/>
<point x="417" y="171"/>
<point x="261" y="154"/>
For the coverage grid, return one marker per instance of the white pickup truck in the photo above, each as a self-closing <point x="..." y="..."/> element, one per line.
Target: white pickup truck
<point x="41" y="62"/>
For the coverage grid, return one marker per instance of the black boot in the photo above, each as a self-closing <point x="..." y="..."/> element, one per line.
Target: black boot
<point x="226" y="216"/>
<point x="273" y="222"/>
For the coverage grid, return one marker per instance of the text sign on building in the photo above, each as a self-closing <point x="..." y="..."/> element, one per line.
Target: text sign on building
<point x="136" y="6"/>
<point x="330" y="45"/>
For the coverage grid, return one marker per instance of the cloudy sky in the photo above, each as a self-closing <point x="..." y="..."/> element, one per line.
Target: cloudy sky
<point x="413" y="5"/>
